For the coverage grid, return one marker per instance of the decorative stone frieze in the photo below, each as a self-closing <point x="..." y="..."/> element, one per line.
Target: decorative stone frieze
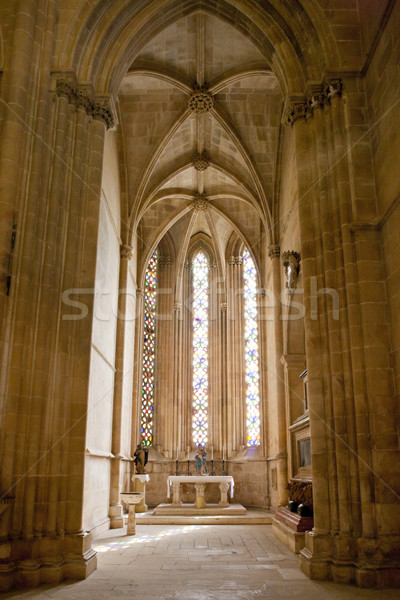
<point x="126" y="251"/>
<point x="201" y="100"/>
<point x="333" y="88"/>
<point x="291" y="262"/>
<point x="81" y="99"/>
<point x="318" y="97"/>
<point x="274" y="251"/>
<point x="200" y="203"/>
<point x="165" y="261"/>
<point x="235" y="260"/>
<point x="296" y="111"/>
<point x="201" y="161"/>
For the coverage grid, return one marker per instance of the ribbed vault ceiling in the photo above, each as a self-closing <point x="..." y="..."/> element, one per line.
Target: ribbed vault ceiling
<point x="237" y="137"/>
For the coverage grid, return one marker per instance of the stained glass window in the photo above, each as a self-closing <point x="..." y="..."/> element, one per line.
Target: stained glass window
<point x="200" y="349"/>
<point x="149" y="344"/>
<point x="251" y="351"/>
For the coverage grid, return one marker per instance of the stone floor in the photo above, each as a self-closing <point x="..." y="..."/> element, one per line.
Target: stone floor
<point x="198" y="562"/>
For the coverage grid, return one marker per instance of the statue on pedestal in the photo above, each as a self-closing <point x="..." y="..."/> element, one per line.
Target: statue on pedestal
<point x="201" y="463"/>
<point x="141" y="458"/>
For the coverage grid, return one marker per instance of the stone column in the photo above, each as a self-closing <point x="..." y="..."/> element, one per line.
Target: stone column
<point x="116" y="509"/>
<point x="348" y="363"/>
<point x="280" y="429"/>
<point x="200" y="490"/>
<point x="176" y="500"/>
<point x="44" y="447"/>
<point x="236" y="433"/>
<point x="224" y="487"/>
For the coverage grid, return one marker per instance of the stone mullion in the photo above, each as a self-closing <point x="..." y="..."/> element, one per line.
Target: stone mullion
<point x="235" y="431"/>
<point x="186" y="357"/>
<point x="115" y="509"/>
<point x="240" y="345"/>
<point x="263" y="383"/>
<point x="214" y="366"/>
<point x="363" y="407"/>
<point x="321" y="490"/>
<point x="281" y="434"/>
<point x="165" y="352"/>
<point x="223" y="428"/>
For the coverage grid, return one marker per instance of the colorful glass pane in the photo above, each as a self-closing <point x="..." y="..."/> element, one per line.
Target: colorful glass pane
<point x="200" y="349"/>
<point x="149" y="345"/>
<point x="251" y="351"/>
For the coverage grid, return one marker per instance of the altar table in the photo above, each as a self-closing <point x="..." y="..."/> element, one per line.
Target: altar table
<point x="200" y="482"/>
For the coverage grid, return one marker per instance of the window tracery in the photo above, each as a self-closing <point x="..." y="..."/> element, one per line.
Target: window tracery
<point x="252" y="374"/>
<point x="200" y="286"/>
<point x="149" y="344"/>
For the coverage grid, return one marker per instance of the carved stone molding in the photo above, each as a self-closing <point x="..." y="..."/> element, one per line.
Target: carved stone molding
<point x="177" y="307"/>
<point x="235" y="260"/>
<point x="165" y="261"/>
<point x="82" y="99"/>
<point x="139" y="293"/>
<point x="223" y="306"/>
<point x="291" y="262"/>
<point x="201" y="100"/>
<point x="126" y="251"/>
<point x="296" y="111"/>
<point x="200" y="203"/>
<point x="333" y="88"/>
<point x="318" y="97"/>
<point x="274" y="251"/>
<point x="201" y="161"/>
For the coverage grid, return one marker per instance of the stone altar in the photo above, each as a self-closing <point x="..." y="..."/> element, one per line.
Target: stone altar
<point x="200" y="507"/>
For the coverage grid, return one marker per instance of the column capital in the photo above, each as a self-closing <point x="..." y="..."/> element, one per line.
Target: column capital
<point x="177" y="307"/>
<point x="81" y="97"/>
<point x="139" y="293"/>
<point x="274" y="251"/>
<point x="315" y="97"/>
<point x="223" y="306"/>
<point x="165" y="261"/>
<point x="126" y="251"/>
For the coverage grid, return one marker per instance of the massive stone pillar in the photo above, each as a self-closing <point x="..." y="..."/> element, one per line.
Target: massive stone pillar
<point x="50" y="171"/>
<point x="351" y="400"/>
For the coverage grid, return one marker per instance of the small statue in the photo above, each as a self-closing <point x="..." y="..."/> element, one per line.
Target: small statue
<point x="141" y="458"/>
<point x="201" y="463"/>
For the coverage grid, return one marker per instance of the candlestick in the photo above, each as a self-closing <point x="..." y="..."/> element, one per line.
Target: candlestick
<point x="223" y="467"/>
<point x="176" y="466"/>
<point x="177" y="454"/>
<point x="212" y="452"/>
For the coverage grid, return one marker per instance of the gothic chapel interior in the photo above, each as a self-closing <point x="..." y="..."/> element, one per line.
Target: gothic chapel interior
<point x="199" y="245"/>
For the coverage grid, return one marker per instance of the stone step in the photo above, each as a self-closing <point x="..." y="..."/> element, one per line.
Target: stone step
<point x="251" y="517"/>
